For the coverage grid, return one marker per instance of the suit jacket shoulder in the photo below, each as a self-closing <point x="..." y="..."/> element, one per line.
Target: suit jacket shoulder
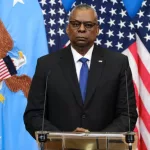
<point x="49" y="61"/>
<point x="51" y="58"/>
<point x="112" y="54"/>
<point x="113" y="58"/>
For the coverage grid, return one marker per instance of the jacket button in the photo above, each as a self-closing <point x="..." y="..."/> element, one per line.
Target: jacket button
<point x="83" y="116"/>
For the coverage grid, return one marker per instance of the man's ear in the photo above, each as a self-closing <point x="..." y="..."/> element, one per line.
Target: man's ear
<point x="67" y="30"/>
<point x="98" y="30"/>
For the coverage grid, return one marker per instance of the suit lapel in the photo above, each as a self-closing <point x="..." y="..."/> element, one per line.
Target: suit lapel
<point x="97" y="64"/>
<point x="69" y="71"/>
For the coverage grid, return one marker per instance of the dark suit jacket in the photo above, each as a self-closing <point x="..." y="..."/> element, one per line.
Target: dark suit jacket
<point x="105" y="107"/>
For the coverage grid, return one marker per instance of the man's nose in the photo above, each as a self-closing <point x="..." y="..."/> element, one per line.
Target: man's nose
<point x="82" y="27"/>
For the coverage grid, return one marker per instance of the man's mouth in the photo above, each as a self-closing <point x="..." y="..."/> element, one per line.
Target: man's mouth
<point x="81" y="38"/>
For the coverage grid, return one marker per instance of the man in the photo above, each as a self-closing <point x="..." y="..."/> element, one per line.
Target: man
<point x="77" y="99"/>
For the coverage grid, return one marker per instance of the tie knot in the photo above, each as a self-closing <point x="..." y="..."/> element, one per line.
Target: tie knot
<point x="83" y="60"/>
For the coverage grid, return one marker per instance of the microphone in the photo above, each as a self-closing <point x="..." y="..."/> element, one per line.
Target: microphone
<point x="129" y="136"/>
<point x="42" y="137"/>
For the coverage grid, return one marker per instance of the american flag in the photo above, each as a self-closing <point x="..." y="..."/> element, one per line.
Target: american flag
<point x="7" y="68"/>
<point x="140" y="59"/>
<point x="55" y="20"/>
<point x="118" y="32"/>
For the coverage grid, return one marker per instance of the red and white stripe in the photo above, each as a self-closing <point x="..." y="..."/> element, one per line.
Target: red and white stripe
<point x="139" y="59"/>
<point x="4" y="72"/>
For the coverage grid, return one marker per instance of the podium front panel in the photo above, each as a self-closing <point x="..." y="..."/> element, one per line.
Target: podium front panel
<point x="87" y="141"/>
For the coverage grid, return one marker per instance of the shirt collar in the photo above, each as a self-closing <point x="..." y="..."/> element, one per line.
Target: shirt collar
<point x="77" y="56"/>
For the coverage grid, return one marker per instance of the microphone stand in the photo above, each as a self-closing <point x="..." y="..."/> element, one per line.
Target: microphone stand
<point x="42" y="137"/>
<point x="129" y="136"/>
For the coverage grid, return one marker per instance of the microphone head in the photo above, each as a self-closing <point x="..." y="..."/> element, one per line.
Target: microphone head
<point x="129" y="137"/>
<point x="42" y="137"/>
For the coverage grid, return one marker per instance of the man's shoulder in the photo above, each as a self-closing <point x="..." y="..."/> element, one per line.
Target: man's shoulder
<point x="111" y="54"/>
<point x="52" y="57"/>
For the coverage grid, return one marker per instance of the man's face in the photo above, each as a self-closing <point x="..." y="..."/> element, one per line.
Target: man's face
<point x="82" y="28"/>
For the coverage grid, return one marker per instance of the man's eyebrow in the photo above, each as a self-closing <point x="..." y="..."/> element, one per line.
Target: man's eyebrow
<point x="82" y="21"/>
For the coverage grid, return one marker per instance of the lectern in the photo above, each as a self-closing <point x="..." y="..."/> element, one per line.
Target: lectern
<point x="87" y="141"/>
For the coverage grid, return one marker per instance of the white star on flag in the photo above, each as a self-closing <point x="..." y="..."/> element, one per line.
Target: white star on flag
<point x="44" y="11"/>
<point x="120" y="35"/>
<point x="101" y="20"/>
<point x="139" y="24"/>
<point x="114" y="2"/>
<point x="148" y="26"/>
<point x="112" y="11"/>
<point x="52" y="12"/>
<point x="61" y="21"/>
<point x="60" y="2"/>
<point x="98" y="41"/>
<point x="111" y="22"/>
<point x="16" y="1"/>
<point x="61" y="11"/>
<point x="105" y="1"/>
<point x="52" y="22"/>
<point x="52" y="2"/>
<point x="123" y="13"/>
<point x="141" y="14"/>
<point x="147" y="37"/>
<point x="52" y="32"/>
<point x="122" y="24"/>
<point x="110" y="33"/>
<point x="119" y="45"/>
<point x="51" y="42"/>
<point x="108" y="44"/>
<point x="101" y="31"/>
<point x="102" y="9"/>
<point x="61" y="32"/>
<point x="131" y="36"/>
<point x="93" y="6"/>
<point x="131" y="26"/>
<point x="143" y="3"/>
<point x="43" y="2"/>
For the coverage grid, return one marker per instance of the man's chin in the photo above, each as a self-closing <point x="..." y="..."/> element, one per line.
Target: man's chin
<point x="81" y="44"/>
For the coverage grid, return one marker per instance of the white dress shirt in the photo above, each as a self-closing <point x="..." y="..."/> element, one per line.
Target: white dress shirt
<point x="78" y="56"/>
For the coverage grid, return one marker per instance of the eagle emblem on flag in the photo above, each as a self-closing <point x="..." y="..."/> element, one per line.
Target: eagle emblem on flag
<point x="9" y="66"/>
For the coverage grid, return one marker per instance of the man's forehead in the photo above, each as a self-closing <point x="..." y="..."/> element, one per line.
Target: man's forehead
<point x="83" y="15"/>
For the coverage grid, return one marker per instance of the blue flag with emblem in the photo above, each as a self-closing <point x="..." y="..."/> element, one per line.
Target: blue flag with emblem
<point x="22" y="27"/>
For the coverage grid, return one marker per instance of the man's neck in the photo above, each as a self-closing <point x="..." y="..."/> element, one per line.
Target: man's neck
<point x="82" y="50"/>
